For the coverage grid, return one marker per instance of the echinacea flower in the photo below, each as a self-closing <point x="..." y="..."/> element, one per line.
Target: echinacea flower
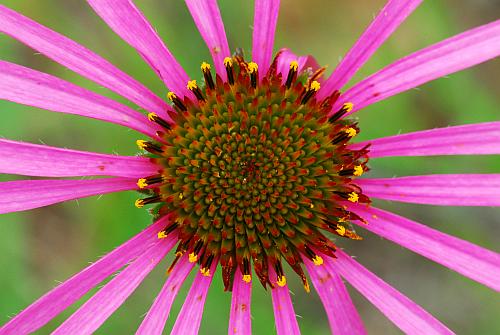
<point x="252" y="168"/>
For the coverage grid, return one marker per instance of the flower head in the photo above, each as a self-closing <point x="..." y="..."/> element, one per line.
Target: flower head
<point x="253" y="171"/>
<point x="247" y="170"/>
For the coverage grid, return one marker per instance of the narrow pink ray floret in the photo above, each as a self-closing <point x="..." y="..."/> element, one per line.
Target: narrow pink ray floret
<point x="251" y="171"/>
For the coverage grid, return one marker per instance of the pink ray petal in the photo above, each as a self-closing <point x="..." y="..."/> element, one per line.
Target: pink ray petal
<point x="29" y="87"/>
<point x="54" y="302"/>
<point x="342" y="315"/>
<point x="441" y="189"/>
<point x="386" y="22"/>
<point x="240" y="320"/>
<point x="284" y="314"/>
<point x="451" y="55"/>
<point x="206" y="15"/>
<point x="101" y="305"/>
<point x="154" y="322"/>
<point x="470" y="139"/>
<point x="78" y="58"/>
<point x="41" y="160"/>
<point x="403" y="312"/>
<point x="470" y="260"/>
<point x="189" y="318"/>
<point x="129" y="23"/>
<point x="264" y="28"/>
<point x="285" y="57"/>
<point x="21" y="195"/>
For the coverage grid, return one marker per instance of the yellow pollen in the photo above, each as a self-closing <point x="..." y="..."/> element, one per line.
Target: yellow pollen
<point x="205" y="66"/>
<point x="306" y="287"/>
<point x="281" y="281"/>
<point x="205" y="272"/>
<point x="181" y="195"/>
<point x="171" y="96"/>
<point x="193" y="257"/>
<point x="179" y="253"/>
<point x="353" y="197"/>
<point x="142" y="183"/>
<point x="358" y="170"/>
<point x="162" y="234"/>
<point x="317" y="260"/>
<point x="351" y="132"/>
<point x="247" y="278"/>
<point x="228" y="61"/>
<point x="192" y="85"/>
<point x="141" y="144"/>
<point x="139" y="203"/>
<point x="152" y="116"/>
<point x="252" y="67"/>
<point x="348" y="106"/>
<point x="315" y="86"/>
<point x="294" y="65"/>
<point x="343" y="219"/>
<point x="340" y="230"/>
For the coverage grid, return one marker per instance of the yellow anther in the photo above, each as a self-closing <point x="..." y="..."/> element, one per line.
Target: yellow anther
<point x="311" y="205"/>
<point x="358" y="170"/>
<point x="162" y="234"/>
<point x="139" y="203"/>
<point x="193" y="257"/>
<point x="340" y="230"/>
<point x="348" y="106"/>
<point x="252" y="67"/>
<point x="247" y="278"/>
<point x="353" y="197"/>
<point x="179" y="253"/>
<point x="171" y="96"/>
<point x="343" y="219"/>
<point x="192" y="85"/>
<point x="315" y="86"/>
<point x="205" y="271"/>
<point x="294" y="65"/>
<point x="317" y="260"/>
<point x="142" y="183"/>
<point x="228" y="61"/>
<point x="152" y="116"/>
<point x="141" y="144"/>
<point x="351" y="132"/>
<point x="181" y="195"/>
<point x="281" y="281"/>
<point x="205" y="66"/>
<point x="306" y="287"/>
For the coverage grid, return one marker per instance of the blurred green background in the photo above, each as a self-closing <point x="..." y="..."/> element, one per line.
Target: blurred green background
<point x="38" y="248"/>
